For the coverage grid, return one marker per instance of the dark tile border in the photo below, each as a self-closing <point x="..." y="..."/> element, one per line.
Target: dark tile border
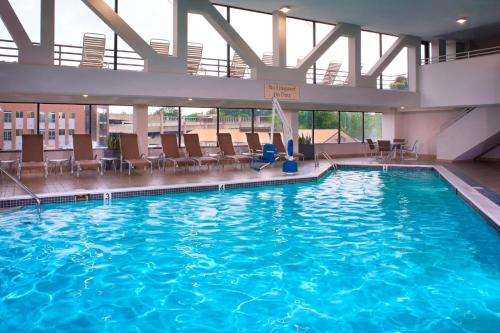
<point x="128" y="193"/>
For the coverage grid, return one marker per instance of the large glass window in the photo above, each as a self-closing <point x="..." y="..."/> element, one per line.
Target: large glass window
<point x="370" y="50"/>
<point x="255" y="28"/>
<point x="162" y="120"/>
<point x="351" y="127"/>
<point x="134" y="12"/>
<point x="263" y="122"/>
<point x="121" y="119"/>
<point x="306" y="126"/>
<point x="202" y="121"/>
<point x="28" y="12"/>
<point x="332" y="68"/>
<point x="16" y="119"/>
<point x="100" y="126"/>
<point x="202" y="35"/>
<point x="57" y="129"/>
<point x="373" y="125"/>
<point x="299" y="40"/>
<point x="72" y="20"/>
<point x="237" y="122"/>
<point x="326" y="126"/>
<point x="395" y="76"/>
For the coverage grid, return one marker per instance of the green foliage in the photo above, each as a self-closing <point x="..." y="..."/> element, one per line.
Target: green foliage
<point x="113" y="141"/>
<point x="326" y="120"/>
<point x="305" y="140"/>
<point x="400" y="83"/>
<point x="168" y="112"/>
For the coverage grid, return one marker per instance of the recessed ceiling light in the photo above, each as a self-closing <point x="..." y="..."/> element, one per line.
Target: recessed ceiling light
<point x="190" y="99"/>
<point x="402" y="107"/>
<point x="462" y="20"/>
<point x="285" y="9"/>
<point x="85" y="95"/>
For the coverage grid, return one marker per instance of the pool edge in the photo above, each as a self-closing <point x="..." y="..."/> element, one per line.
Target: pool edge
<point x="481" y="204"/>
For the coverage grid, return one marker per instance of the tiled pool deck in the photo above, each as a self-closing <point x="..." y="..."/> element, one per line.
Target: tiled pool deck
<point x="477" y="184"/>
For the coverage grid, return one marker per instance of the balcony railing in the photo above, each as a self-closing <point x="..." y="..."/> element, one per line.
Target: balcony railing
<point x="461" y="55"/>
<point x="70" y="55"/>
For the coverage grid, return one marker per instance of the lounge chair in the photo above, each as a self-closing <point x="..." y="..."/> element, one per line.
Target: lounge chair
<point x="268" y="59"/>
<point x="331" y="73"/>
<point x="94" y="46"/>
<point x="129" y="154"/>
<point x="193" y="149"/>
<point x="254" y="144"/>
<point x="32" y="155"/>
<point x="280" y="147"/>
<point x="171" y="152"/>
<point x="83" y="155"/>
<point x="413" y="150"/>
<point x="194" y="54"/>
<point x="372" y="149"/>
<point x="238" y="67"/>
<point x="228" y="152"/>
<point x="161" y="46"/>
<point x="384" y="147"/>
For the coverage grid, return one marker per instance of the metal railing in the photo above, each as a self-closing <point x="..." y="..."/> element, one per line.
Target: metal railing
<point x="327" y="157"/>
<point x="70" y="55"/>
<point x="453" y="120"/>
<point x="461" y="55"/>
<point x="22" y="186"/>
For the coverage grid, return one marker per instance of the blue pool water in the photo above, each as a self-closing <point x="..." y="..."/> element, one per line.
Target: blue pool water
<point x="362" y="251"/>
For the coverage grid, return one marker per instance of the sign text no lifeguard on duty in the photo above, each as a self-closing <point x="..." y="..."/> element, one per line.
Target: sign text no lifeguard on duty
<point x="282" y="91"/>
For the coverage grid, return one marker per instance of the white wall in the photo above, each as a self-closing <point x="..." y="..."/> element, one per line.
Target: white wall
<point x="465" y="139"/>
<point x="67" y="85"/>
<point x="465" y="82"/>
<point x="423" y="126"/>
<point x="493" y="154"/>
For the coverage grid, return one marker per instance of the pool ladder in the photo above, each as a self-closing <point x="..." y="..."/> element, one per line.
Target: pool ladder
<point x="329" y="159"/>
<point x="23" y="187"/>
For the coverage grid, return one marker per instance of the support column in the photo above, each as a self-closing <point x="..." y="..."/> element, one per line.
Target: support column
<point x="293" y="118"/>
<point x="354" y="52"/>
<point x="279" y="38"/>
<point x="413" y="66"/>
<point x="140" y="119"/>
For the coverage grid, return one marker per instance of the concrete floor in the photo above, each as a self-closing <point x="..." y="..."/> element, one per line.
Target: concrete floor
<point x="90" y="180"/>
<point x="485" y="175"/>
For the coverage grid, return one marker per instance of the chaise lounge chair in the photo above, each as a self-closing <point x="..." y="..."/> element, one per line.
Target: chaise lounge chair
<point x="331" y="73"/>
<point x="32" y="155"/>
<point x="161" y="46"/>
<point x="171" y="152"/>
<point x="129" y="154"/>
<point x="193" y="149"/>
<point x="194" y="55"/>
<point x="238" y="67"/>
<point x="254" y="144"/>
<point x="94" y="46"/>
<point x="83" y="155"/>
<point x="372" y="150"/>
<point x="280" y="147"/>
<point x="268" y="59"/>
<point x="228" y="152"/>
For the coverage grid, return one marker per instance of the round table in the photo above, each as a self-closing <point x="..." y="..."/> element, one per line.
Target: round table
<point x="58" y="163"/>
<point x="114" y="161"/>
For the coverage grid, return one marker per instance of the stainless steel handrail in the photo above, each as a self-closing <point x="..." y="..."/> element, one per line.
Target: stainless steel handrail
<point x="22" y="186"/>
<point x="459" y="116"/>
<point x="461" y="55"/>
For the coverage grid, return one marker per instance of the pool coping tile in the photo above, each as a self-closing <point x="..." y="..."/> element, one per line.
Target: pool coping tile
<point x="489" y="210"/>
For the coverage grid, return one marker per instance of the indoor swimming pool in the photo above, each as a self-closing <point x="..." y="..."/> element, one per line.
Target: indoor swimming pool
<point x="361" y="251"/>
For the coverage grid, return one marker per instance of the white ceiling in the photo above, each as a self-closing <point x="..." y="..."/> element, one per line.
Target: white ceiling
<point x="424" y="18"/>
